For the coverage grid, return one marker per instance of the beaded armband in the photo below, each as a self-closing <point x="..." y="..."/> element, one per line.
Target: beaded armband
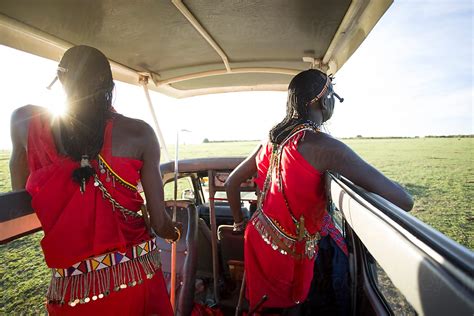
<point x="240" y="226"/>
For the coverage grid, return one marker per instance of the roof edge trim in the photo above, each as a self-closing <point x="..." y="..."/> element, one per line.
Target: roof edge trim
<point x="210" y="73"/>
<point x="179" y="94"/>
<point x="358" y="22"/>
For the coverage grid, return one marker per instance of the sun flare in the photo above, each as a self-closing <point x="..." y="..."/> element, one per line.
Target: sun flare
<point x="57" y="110"/>
<point x="55" y="101"/>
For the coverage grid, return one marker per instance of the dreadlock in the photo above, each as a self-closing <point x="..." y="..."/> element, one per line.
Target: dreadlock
<point x="87" y="79"/>
<point x="303" y="88"/>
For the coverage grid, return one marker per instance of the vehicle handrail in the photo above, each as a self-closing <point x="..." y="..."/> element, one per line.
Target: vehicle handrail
<point x="456" y="254"/>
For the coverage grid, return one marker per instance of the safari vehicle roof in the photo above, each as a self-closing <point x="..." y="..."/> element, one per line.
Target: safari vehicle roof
<point x="196" y="47"/>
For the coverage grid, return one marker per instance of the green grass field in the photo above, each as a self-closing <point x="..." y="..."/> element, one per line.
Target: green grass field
<point x="438" y="172"/>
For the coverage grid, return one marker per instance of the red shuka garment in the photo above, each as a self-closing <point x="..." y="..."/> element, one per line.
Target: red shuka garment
<point x="79" y="226"/>
<point x="284" y="279"/>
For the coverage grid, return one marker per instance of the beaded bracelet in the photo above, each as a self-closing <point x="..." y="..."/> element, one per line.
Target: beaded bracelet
<point x="170" y="241"/>
<point x="240" y="226"/>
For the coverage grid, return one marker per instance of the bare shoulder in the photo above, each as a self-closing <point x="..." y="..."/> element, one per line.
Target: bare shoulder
<point x="323" y="151"/>
<point x="133" y="127"/>
<point x="132" y="137"/>
<point x="325" y="142"/>
<point x="20" y="120"/>
<point x="25" y="113"/>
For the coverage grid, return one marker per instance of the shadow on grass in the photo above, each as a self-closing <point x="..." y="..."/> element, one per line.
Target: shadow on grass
<point x="417" y="191"/>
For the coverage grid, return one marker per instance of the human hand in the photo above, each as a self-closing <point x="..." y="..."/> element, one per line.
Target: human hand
<point x="178" y="226"/>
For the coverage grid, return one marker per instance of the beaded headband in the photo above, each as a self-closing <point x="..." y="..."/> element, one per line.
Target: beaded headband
<point x="323" y="91"/>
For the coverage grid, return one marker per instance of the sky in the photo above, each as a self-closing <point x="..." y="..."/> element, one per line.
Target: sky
<point x="412" y="76"/>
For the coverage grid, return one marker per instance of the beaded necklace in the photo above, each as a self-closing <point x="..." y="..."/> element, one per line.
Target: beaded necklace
<point x="275" y="164"/>
<point x="275" y="235"/>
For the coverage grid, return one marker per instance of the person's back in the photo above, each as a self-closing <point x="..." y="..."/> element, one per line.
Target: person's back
<point x="82" y="171"/>
<point x="306" y="195"/>
<point x="292" y="204"/>
<point x="129" y="137"/>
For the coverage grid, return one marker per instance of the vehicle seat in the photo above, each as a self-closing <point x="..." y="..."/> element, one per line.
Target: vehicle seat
<point x="186" y="257"/>
<point x="204" y="261"/>
<point x="223" y="213"/>
<point x="232" y="248"/>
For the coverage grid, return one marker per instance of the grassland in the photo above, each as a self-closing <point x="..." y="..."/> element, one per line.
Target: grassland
<point x="438" y="172"/>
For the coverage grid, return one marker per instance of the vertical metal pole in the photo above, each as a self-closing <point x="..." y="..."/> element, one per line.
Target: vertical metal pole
<point x="173" y="245"/>
<point x="144" y="82"/>
<point x="176" y="157"/>
<point x="212" y="218"/>
<point x="241" y="296"/>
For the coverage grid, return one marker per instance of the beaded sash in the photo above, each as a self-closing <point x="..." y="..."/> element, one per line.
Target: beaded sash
<point x="96" y="277"/>
<point x="111" y="175"/>
<point x="271" y="232"/>
<point x="285" y="243"/>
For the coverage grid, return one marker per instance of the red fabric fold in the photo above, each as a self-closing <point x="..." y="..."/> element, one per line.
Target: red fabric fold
<point x="284" y="279"/>
<point x="79" y="225"/>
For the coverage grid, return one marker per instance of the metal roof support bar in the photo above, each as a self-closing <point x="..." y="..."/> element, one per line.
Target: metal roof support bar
<point x="195" y="23"/>
<point x="359" y="20"/>
<point x="283" y="71"/>
<point x="212" y="219"/>
<point x="202" y="91"/>
<point x="144" y="82"/>
<point x="347" y="25"/>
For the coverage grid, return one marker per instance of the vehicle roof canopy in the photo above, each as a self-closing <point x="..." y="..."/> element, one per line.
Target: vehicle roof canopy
<point x="197" y="47"/>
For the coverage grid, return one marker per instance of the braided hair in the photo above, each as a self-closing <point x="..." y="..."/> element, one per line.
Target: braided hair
<point x="303" y="88"/>
<point x="87" y="79"/>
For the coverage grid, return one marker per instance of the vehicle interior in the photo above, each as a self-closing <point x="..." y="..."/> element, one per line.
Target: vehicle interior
<point x="187" y="48"/>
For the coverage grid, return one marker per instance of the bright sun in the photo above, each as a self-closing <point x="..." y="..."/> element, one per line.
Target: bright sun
<point x="57" y="110"/>
<point x="54" y="100"/>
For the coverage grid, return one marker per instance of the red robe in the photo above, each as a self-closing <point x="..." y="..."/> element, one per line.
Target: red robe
<point x="79" y="226"/>
<point x="286" y="280"/>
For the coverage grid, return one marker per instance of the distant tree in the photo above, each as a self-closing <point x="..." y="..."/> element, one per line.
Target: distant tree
<point x="206" y="140"/>
<point x="359" y="136"/>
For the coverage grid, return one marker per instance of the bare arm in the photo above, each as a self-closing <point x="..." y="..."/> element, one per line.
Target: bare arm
<point x="244" y="171"/>
<point x="19" y="170"/>
<point x="153" y="187"/>
<point x="346" y="162"/>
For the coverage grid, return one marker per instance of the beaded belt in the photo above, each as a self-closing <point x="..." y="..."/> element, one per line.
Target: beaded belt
<point x="282" y="241"/>
<point x="96" y="277"/>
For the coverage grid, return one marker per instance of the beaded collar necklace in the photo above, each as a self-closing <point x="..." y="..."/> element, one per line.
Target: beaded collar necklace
<point x="276" y="157"/>
<point x="302" y="233"/>
<point x="312" y="125"/>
